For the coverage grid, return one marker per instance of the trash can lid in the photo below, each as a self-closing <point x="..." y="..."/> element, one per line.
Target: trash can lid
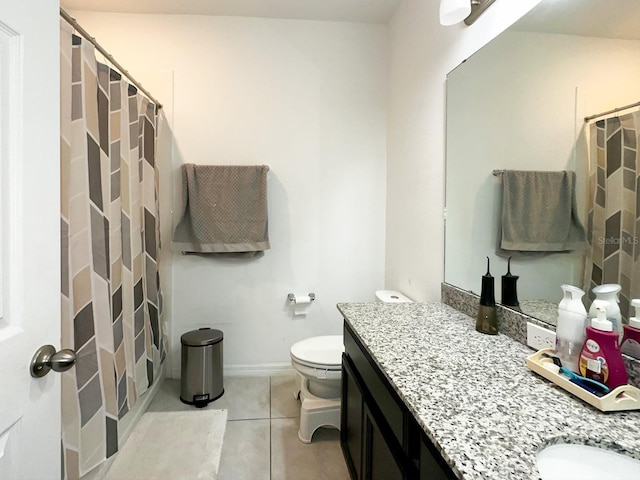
<point x="201" y="337"/>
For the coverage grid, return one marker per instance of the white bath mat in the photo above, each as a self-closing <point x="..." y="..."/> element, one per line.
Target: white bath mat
<point x="172" y="445"/>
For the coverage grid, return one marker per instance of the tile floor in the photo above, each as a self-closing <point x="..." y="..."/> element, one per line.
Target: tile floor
<point x="261" y="440"/>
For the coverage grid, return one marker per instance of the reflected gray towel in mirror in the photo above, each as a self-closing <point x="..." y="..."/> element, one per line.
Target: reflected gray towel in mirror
<point x="539" y="212"/>
<point x="224" y="209"/>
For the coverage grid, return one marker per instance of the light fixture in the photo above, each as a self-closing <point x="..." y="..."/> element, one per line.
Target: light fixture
<point x="455" y="11"/>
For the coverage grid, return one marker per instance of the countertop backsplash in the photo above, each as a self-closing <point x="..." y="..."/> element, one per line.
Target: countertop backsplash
<point x="513" y="323"/>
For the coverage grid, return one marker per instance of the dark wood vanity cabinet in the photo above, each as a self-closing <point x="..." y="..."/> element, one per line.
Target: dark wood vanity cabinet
<point x="380" y="438"/>
<point x="352" y="420"/>
<point x="366" y="450"/>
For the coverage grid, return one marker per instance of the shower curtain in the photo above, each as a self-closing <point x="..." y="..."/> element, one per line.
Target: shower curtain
<point x="111" y="299"/>
<point x="614" y="206"/>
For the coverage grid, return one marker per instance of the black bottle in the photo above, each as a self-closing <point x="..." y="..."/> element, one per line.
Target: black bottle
<point x="487" y="322"/>
<point x="509" y="290"/>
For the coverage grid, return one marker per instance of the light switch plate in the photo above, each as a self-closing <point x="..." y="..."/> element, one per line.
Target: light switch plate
<point x="539" y="338"/>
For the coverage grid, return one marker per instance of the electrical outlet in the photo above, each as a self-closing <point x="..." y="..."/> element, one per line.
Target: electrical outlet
<point x="539" y="338"/>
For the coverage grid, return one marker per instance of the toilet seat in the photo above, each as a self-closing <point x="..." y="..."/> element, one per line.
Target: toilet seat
<point x="321" y="353"/>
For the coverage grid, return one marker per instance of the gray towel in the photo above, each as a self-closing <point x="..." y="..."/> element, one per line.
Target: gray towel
<point x="539" y="212"/>
<point x="224" y="209"/>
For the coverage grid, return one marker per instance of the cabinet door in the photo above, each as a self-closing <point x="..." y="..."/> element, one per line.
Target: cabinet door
<point x="351" y="438"/>
<point x="379" y="461"/>
<point x="432" y="465"/>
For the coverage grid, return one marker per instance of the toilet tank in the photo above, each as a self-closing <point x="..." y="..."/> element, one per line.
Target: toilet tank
<point x="391" y="296"/>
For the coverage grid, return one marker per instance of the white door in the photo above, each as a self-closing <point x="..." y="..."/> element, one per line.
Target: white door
<point x="30" y="236"/>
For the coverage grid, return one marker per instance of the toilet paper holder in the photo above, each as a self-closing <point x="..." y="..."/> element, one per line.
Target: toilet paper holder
<point x="292" y="298"/>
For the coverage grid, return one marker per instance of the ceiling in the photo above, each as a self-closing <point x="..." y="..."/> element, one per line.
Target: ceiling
<point x="593" y="18"/>
<point x="359" y="11"/>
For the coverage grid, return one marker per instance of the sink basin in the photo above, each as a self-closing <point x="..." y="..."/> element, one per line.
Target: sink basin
<point x="573" y="461"/>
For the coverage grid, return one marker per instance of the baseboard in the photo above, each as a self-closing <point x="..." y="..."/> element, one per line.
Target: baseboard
<point x="127" y="424"/>
<point x="260" y="370"/>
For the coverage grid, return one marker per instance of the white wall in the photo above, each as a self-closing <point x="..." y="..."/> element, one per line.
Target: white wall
<point x="520" y="104"/>
<point x="422" y="52"/>
<point x="306" y="98"/>
<point x="309" y="99"/>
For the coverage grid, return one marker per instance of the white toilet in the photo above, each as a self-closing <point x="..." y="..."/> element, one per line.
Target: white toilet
<point x="318" y="361"/>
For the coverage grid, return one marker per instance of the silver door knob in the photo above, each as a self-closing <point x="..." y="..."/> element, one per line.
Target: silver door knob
<point x="47" y="359"/>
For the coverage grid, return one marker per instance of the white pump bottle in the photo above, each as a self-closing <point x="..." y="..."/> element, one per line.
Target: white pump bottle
<point x="571" y="328"/>
<point x="607" y="298"/>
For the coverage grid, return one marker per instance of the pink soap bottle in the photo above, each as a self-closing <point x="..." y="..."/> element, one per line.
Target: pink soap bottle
<point x="631" y="339"/>
<point x="600" y="358"/>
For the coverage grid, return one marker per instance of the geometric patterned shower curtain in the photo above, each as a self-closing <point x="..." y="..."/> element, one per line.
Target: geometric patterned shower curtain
<point x="111" y="299"/>
<point x="614" y="206"/>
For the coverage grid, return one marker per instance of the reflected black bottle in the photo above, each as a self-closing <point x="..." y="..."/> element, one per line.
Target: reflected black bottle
<point x="509" y="290"/>
<point x="487" y="321"/>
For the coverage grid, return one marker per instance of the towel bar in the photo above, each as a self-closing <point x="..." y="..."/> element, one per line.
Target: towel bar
<point x="292" y="298"/>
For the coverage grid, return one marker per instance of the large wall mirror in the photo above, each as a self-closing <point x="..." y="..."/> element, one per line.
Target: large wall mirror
<point x="519" y="104"/>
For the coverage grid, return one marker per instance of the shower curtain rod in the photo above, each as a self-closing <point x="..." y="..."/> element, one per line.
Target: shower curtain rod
<point x="72" y="21"/>
<point x="614" y="110"/>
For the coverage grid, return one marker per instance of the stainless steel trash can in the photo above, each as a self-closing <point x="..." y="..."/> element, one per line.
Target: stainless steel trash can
<point x="202" y="378"/>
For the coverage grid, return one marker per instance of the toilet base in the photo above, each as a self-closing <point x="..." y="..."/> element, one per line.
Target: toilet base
<point x="316" y="412"/>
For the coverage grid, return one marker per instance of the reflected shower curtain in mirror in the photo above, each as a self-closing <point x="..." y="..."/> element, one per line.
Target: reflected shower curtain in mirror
<point x="111" y="299"/>
<point x="614" y="206"/>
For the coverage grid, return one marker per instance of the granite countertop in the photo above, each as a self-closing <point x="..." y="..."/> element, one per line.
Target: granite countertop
<point x="473" y="395"/>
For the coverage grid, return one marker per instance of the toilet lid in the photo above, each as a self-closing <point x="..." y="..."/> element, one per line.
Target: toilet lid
<point x="325" y="350"/>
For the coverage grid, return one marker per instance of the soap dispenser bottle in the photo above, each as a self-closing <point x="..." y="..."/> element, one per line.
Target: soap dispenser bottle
<point x="600" y="358"/>
<point x="631" y="340"/>
<point x="570" y="330"/>
<point x="487" y="321"/>
<point x="607" y="295"/>
<point x="509" y="290"/>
